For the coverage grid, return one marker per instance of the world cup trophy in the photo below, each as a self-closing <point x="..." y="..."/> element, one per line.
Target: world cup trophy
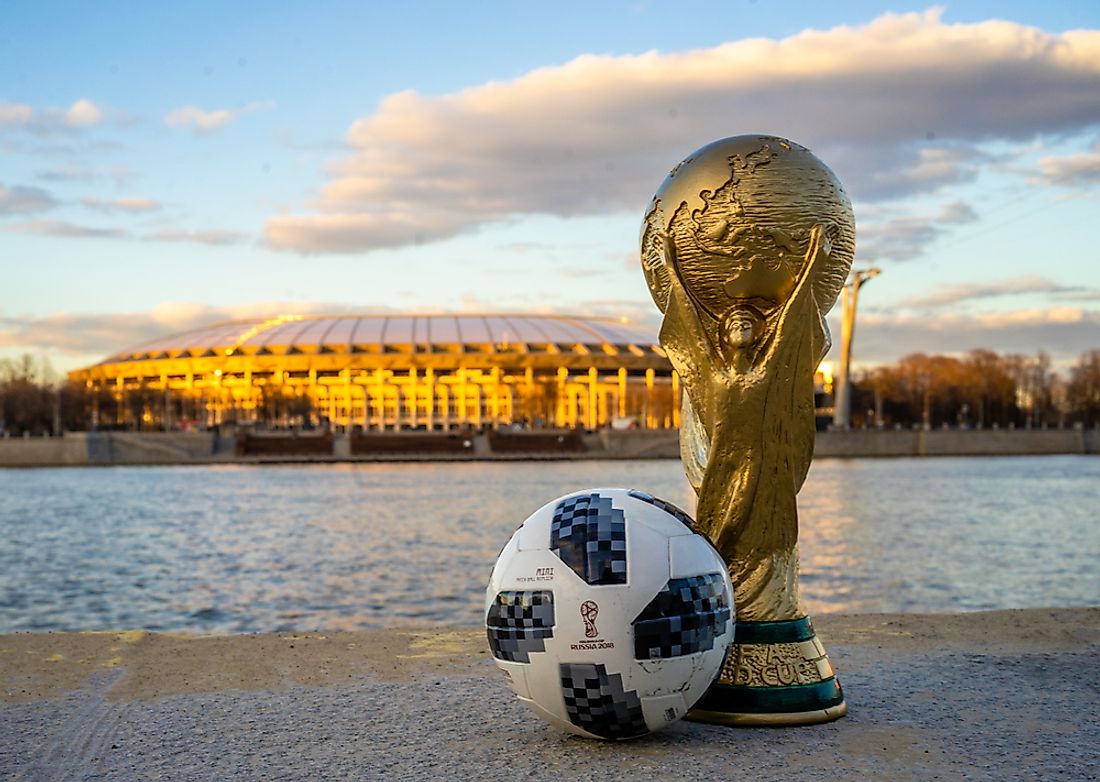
<point x="745" y="247"/>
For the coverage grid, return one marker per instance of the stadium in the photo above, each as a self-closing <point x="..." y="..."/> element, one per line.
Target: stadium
<point x="392" y="372"/>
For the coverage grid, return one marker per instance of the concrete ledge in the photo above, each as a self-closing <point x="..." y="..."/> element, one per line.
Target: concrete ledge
<point x="42" y="451"/>
<point x="104" y="448"/>
<point x="955" y="442"/>
<point x="864" y="442"/>
<point x="991" y="696"/>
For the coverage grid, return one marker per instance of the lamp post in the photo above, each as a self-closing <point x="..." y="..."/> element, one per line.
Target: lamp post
<point x="849" y="295"/>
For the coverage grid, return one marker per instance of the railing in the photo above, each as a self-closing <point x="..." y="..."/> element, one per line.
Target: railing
<point x="556" y="441"/>
<point x="284" y="445"/>
<point x="383" y="443"/>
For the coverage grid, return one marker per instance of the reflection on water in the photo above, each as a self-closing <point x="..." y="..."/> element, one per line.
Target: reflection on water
<point x="950" y="534"/>
<point x="244" y="548"/>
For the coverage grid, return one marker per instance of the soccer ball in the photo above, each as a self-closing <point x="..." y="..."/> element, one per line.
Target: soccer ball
<point x="609" y="615"/>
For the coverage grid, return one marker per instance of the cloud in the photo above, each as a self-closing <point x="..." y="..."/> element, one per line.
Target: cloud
<point x="634" y="311"/>
<point x="597" y="134"/>
<point x="102" y="334"/>
<point x="957" y="213"/>
<point x="948" y="295"/>
<point x="354" y="232"/>
<point x="212" y="238"/>
<point x="888" y="171"/>
<point x="69" y="172"/>
<point x="904" y="237"/>
<point x="638" y="313"/>
<point x="1081" y="170"/>
<point x="61" y="229"/>
<point x="83" y="114"/>
<point x="1064" y="332"/>
<point x="66" y="230"/>
<point x="121" y="204"/>
<point x="206" y="122"/>
<point x="899" y="239"/>
<point x="203" y="121"/>
<point x="24" y="200"/>
<point x="15" y="113"/>
<point x="1079" y="294"/>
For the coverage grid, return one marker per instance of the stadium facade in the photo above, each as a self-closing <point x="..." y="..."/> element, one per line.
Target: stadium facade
<point x="385" y="372"/>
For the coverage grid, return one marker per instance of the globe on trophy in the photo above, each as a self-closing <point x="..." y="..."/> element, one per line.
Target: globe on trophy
<point x="745" y="247"/>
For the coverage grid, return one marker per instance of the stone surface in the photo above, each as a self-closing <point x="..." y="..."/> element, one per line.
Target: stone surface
<point x="101" y="448"/>
<point x="988" y="696"/>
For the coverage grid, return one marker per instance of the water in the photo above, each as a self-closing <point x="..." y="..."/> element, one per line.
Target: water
<point x="218" y="549"/>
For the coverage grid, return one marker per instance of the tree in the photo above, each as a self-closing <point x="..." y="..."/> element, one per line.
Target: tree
<point x="990" y="387"/>
<point x="28" y="399"/>
<point x="980" y="389"/>
<point x="1083" y="389"/>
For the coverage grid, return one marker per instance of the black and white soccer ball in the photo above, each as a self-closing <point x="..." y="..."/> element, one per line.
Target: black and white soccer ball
<point x="609" y="614"/>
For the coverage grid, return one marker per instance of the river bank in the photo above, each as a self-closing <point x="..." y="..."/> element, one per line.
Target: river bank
<point x="998" y="695"/>
<point x="108" y="448"/>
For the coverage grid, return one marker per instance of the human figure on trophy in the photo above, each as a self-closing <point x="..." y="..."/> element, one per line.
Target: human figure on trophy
<point x="744" y="266"/>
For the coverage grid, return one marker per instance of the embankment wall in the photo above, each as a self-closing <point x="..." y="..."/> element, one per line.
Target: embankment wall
<point x="957" y="442"/>
<point x="1092" y="440"/>
<point x="104" y="448"/>
<point x="42" y="451"/>
<point x="82" y="448"/>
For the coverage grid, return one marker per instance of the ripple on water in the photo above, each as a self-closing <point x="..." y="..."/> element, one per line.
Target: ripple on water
<point x="338" y="547"/>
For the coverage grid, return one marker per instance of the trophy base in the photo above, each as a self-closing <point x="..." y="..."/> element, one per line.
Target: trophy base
<point x="777" y="674"/>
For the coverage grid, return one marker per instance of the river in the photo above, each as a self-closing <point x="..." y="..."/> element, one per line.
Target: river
<point x="231" y="549"/>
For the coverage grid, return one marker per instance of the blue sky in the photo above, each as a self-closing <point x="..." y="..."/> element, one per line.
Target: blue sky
<point x="163" y="166"/>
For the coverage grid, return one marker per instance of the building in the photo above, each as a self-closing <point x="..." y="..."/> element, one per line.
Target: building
<point x="384" y="372"/>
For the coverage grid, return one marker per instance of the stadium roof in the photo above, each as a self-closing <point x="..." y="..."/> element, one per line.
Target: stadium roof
<point x="407" y="333"/>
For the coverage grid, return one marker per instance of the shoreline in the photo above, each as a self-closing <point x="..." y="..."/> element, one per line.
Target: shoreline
<point x="986" y="695"/>
<point x="174" y="448"/>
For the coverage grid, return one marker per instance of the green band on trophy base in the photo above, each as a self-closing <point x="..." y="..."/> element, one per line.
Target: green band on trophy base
<point x="782" y="632"/>
<point x="777" y="673"/>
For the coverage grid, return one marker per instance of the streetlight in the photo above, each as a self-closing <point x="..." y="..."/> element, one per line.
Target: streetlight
<point x="842" y="395"/>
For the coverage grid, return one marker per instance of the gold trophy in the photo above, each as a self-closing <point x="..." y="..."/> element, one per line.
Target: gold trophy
<point x="745" y="247"/>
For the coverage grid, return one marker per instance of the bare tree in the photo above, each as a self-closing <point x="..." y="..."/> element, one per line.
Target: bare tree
<point x="28" y="397"/>
<point x="1083" y="389"/>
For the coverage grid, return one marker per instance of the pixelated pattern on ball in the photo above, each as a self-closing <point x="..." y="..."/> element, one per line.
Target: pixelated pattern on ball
<point x="589" y="535"/>
<point x="684" y="618"/>
<point x="519" y="623"/>
<point x="596" y="701"/>
<point x="667" y="507"/>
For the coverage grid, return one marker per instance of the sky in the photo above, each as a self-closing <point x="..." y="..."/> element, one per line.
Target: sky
<point x="164" y="166"/>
